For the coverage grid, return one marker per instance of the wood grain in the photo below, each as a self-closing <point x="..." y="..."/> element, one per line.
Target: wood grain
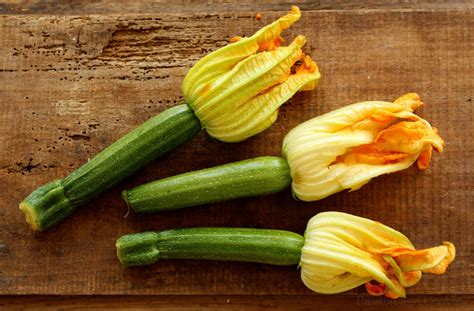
<point x="242" y="302"/>
<point x="81" y="7"/>
<point x="70" y="85"/>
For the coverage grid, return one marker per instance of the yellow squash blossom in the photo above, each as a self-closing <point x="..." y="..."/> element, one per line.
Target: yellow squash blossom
<point x="345" y="148"/>
<point x="236" y="91"/>
<point x="343" y="251"/>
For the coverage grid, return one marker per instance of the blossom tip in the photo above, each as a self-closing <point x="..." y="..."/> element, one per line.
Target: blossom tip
<point x="295" y="10"/>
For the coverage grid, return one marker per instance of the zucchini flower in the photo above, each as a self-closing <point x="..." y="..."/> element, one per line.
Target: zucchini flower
<point x="342" y="149"/>
<point x="236" y="91"/>
<point x="345" y="148"/>
<point x="343" y="251"/>
<point x="338" y="252"/>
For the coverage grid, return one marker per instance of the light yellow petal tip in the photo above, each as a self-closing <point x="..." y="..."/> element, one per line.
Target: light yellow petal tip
<point x="269" y="37"/>
<point x="237" y="90"/>
<point x="409" y="101"/>
<point x="299" y="41"/>
<point x="342" y="251"/>
<point x="295" y="10"/>
<point x="345" y="148"/>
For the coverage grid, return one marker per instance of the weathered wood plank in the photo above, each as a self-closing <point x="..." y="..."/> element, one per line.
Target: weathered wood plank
<point x="82" y="7"/>
<point x="229" y="302"/>
<point x="71" y="85"/>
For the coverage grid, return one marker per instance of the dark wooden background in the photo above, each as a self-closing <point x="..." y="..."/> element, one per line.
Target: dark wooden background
<point x="76" y="75"/>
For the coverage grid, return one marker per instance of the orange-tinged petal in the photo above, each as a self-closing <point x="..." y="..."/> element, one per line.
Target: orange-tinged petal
<point x="375" y="288"/>
<point x="310" y="67"/>
<point x="425" y="158"/>
<point x="270" y="45"/>
<point x="441" y="267"/>
<point x="410" y="101"/>
<point x="396" y="143"/>
<point x="343" y="251"/>
<point x="383" y="116"/>
<point x="268" y="38"/>
<point x="406" y="279"/>
<point x="235" y="39"/>
<point x="433" y="260"/>
<point x="409" y="137"/>
<point x="370" y="154"/>
<point x="345" y="148"/>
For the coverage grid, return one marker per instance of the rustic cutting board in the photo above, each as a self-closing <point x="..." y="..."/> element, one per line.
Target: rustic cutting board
<point x="71" y="85"/>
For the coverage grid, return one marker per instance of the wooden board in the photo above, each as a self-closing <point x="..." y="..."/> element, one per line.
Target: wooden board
<point x="239" y="302"/>
<point x="70" y="85"/>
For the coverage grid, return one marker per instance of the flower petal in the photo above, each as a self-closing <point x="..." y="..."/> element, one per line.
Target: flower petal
<point x="343" y="251"/>
<point x="441" y="267"/>
<point x="236" y="91"/>
<point x="224" y="59"/>
<point x="245" y="101"/>
<point x="247" y="79"/>
<point x="261" y="111"/>
<point x="433" y="260"/>
<point x="345" y="148"/>
<point x="406" y="279"/>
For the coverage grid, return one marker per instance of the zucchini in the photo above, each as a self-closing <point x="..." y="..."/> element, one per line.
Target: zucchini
<point x="254" y="177"/>
<point x="51" y="203"/>
<point x="276" y="247"/>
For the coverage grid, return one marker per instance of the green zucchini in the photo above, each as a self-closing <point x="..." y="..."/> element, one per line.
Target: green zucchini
<point x="51" y="203"/>
<point x="254" y="177"/>
<point x="276" y="247"/>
